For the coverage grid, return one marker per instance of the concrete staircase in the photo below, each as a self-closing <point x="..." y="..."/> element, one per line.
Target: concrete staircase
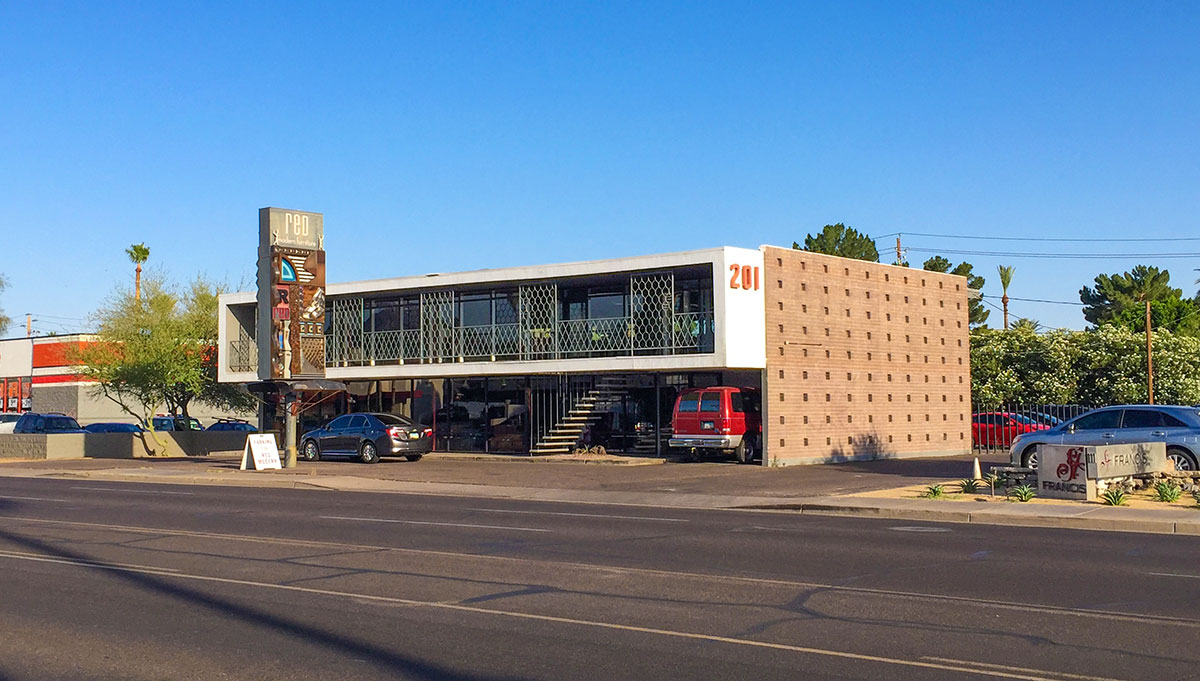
<point x="566" y="434"/>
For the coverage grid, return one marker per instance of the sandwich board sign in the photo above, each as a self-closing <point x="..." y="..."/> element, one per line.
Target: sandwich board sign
<point x="261" y="453"/>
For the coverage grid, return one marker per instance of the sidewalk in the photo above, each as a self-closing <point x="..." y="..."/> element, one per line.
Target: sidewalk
<point x="699" y="486"/>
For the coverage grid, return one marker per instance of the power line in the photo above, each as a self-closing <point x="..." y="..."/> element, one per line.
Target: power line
<point x="1044" y="238"/>
<point x="1071" y="256"/>
<point x="1035" y="300"/>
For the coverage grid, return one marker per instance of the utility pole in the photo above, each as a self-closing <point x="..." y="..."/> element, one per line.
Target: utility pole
<point x="899" y="257"/>
<point x="1149" y="356"/>
<point x="28" y="325"/>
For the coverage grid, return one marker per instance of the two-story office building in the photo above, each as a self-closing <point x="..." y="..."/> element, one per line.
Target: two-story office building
<point x="536" y="359"/>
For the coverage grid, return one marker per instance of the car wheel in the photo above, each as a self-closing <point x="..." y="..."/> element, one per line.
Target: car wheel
<point x="1029" y="458"/>
<point x="311" y="451"/>
<point x="413" y="457"/>
<point x="1182" y="459"/>
<point x="744" y="451"/>
<point x="367" y="453"/>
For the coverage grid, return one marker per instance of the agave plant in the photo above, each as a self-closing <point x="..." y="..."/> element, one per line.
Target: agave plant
<point x="1165" y="490"/>
<point x="934" y="491"/>
<point x="1022" y="493"/>
<point x="1114" y="496"/>
<point x="968" y="486"/>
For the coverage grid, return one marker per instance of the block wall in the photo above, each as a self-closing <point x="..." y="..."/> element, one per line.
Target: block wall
<point x="864" y="360"/>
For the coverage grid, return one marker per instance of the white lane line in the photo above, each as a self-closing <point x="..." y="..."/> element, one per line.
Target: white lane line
<point x="1019" y="606"/>
<point x="1173" y="574"/>
<point x="62" y="501"/>
<point x="583" y="515"/>
<point x="23" y="555"/>
<point x="429" y="522"/>
<point x="973" y="663"/>
<point x="134" y="491"/>
<point x="596" y="624"/>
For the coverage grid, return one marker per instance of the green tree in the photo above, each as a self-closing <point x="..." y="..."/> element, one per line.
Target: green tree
<point x="1180" y="316"/>
<point x="1006" y="275"/>
<point x="977" y="314"/>
<point x="842" y="241"/>
<point x="1114" y="293"/>
<point x="1105" y="365"/>
<point x="138" y="254"/>
<point x="159" y="350"/>
<point x="1026" y="324"/>
<point x="4" y="319"/>
<point x="1022" y="367"/>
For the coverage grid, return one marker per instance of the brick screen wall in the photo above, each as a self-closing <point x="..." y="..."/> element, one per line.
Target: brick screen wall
<point x="863" y="360"/>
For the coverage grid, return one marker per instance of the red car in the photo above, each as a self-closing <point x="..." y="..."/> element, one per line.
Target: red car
<point x="720" y="418"/>
<point x="1000" y="428"/>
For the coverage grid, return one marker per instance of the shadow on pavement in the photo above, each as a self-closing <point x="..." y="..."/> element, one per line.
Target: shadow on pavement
<point x="407" y="666"/>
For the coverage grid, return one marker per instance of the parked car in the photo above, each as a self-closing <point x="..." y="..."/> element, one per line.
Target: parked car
<point x="1178" y="427"/>
<point x="8" y="421"/>
<point x="234" y="424"/>
<point x="163" y="422"/>
<point x="46" y="423"/>
<point x="368" y="436"/>
<point x="113" y="428"/>
<point x="999" y="428"/>
<point x="722" y="418"/>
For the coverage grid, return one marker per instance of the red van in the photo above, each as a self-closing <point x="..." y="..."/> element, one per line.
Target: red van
<point x="720" y="418"/>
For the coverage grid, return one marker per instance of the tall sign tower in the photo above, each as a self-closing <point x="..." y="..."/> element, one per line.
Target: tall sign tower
<point x="291" y="295"/>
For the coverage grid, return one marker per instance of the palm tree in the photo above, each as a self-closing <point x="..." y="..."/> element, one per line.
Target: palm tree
<point x="138" y="253"/>
<point x="1025" y="323"/>
<point x="1006" y="272"/>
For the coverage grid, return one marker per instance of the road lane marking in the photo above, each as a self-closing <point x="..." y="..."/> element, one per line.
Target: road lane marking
<point x="918" y="528"/>
<point x="134" y="491"/>
<point x="1173" y="574"/>
<point x="1108" y="615"/>
<point x="23" y="555"/>
<point x="596" y="624"/>
<point x="583" y="515"/>
<point x="430" y="522"/>
<point x="973" y="663"/>
<point x="62" y="501"/>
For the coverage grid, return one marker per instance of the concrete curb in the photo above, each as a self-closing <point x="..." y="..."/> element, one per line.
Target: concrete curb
<point x="1151" y="521"/>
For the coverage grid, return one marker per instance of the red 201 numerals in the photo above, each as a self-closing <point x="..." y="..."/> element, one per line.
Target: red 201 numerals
<point x="743" y="277"/>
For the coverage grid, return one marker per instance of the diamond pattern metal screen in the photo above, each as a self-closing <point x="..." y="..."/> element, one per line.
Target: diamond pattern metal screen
<point x="437" y="325"/>
<point x="345" y="336"/>
<point x="525" y="325"/>
<point x="538" y="314"/>
<point x="650" y="307"/>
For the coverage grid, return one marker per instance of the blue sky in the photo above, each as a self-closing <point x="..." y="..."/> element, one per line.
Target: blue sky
<point x="451" y="136"/>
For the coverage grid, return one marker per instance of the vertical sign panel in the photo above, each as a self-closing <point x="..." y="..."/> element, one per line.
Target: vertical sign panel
<point x="291" y="294"/>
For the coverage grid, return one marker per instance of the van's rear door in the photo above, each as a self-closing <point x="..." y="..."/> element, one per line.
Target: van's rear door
<point x="687" y="416"/>
<point x="710" y="412"/>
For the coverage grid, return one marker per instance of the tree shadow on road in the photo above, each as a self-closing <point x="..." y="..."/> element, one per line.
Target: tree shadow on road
<point x="404" y="666"/>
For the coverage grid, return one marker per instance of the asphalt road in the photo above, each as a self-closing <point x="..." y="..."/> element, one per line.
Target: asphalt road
<point x="710" y="477"/>
<point x="140" y="581"/>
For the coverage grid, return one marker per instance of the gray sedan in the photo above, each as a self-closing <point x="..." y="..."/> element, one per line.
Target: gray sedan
<point x="367" y="437"/>
<point x="1178" y="427"/>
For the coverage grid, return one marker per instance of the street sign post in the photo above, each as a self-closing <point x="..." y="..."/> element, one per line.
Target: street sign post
<point x="291" y="304"/>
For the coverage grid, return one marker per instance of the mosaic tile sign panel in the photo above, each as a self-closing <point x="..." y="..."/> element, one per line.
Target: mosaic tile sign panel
<point x="291" y="294"/>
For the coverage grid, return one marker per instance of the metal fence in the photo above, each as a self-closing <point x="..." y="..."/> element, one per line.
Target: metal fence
<point x="441" y="341"/>
<point x="995" y="426"/>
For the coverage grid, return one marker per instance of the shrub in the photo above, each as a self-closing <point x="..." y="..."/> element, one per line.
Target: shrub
<point x="968" y="486"/>
<point x="1165" y="490"/>
<point x="1022" y="493"/>
<point x="1114" y="496"/>
<point x="934" y="491"/>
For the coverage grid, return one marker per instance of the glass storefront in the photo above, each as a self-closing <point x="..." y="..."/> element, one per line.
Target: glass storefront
<point x="508" y="415"/>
